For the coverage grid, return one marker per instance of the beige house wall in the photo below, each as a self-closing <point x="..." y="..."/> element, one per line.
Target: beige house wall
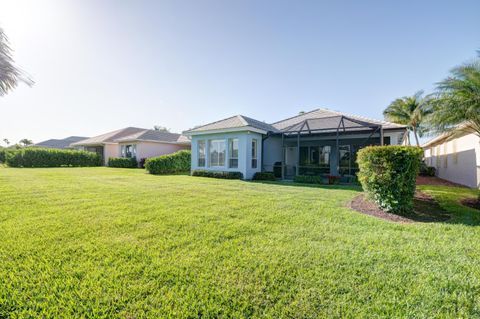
<point x="110" y="150"/>
<point x="152" y="149"/>
<point x="457" y="159"/>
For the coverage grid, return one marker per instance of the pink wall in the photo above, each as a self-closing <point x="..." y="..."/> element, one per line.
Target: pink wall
<point x="151" y="149"/>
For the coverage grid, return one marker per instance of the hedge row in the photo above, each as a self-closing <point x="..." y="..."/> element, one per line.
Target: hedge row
<point x="178" y="162"/>
<point x="218" y="174"/>
<point x="45" y="157"/>
<point x="388" y="175"/>
<point x="122" y="162"/>
<point x="2" y="155"/>
<point x="264" y="176"/>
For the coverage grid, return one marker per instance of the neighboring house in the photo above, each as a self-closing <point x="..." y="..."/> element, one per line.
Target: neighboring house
<point x="313" y="143"/>
<point x="456" y="157"/>
<point x="60" y="144"/>
<point x="134" y="142"/>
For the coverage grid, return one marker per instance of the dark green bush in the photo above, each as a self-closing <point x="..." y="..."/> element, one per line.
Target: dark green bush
<point x="426" y="170"/>
<point x="178" y="162"/>
<point x="388" y="175"/>
<point x="46" y="157"/>
<point x="309" y="179"/>
<point x="122" y="162"/>
<point x="2" y="155"/>
<point x="264" y="176"/>
<point x="218" y="174"/>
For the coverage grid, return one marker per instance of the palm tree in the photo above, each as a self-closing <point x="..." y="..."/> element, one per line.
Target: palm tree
<point x="10" y="75"/>
<point x="458" y="99"/>
<point x="26" y="142"/>
<point x="410" y="111"/>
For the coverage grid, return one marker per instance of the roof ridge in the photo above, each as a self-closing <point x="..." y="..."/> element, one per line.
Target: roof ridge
<point x="290" y="118"/>
<point x="242" y="119"/>
<point x="197" y="127"/>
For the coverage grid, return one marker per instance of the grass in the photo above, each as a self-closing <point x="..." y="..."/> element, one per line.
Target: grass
<point x="119" y="243"/>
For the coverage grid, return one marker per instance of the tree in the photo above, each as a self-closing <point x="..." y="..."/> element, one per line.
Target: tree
<point x="26" y="142"/>
<point x="161" y="128"/>
<point x="10" y="75"/>
<point x="411" y="111"/>
<point x="6" y="141"/>
<point x="457" y="103"/>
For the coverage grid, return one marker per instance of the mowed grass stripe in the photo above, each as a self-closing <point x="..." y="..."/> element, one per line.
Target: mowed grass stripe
<point x="106" y="243"/>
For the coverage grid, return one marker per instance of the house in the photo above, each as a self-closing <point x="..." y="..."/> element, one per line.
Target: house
<point x="60" y="143"/>
<point x="456" y="156"/>
<point x="134" y="142"/>
<point x="313" y="143"/>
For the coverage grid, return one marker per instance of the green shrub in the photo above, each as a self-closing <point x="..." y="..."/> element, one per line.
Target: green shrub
<point x="122" y="162"/>
<point x="426" y="170"/>
<point x="309" y="179"/>
<point x="264" y="176"/>
<point x="178" y="162"/>
<point x="218" y="174"/>
<point x="45" y="157"/>
<point x="2" y="155"/>
<point x="388" y="175"/>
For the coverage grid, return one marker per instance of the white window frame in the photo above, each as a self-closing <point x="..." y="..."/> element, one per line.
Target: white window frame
<point x="254" y="150"/>
<point x="231" y="142"/>
<point x="212" y="145"/>
<point x="123" y="150"/>
<point x="199" y="154"/>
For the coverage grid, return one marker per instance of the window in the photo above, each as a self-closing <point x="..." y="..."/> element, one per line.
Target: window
<point x="254" y="153"/>
<point x="201" y="153"/>
<point x="445" y="158"/>
<point x="217" y="153"/>
<point x="129" y="151"/>
<point x="233" y="153"/>
<point x="437" y="157"/>
<point x="344" y="159"/>
<point x="455" y="154"/>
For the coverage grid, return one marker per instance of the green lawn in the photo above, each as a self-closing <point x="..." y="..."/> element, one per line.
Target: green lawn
<point x="106" y="243"/>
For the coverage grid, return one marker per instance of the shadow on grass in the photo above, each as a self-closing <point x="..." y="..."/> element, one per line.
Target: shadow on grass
<point x="350" y="187"/>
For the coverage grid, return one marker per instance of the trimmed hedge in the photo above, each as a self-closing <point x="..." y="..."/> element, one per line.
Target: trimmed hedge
<point x="388" y="175"/>
<point x="426" y="170"/>
<point x="2" y="155"/>
<point x="307" y="179"/>
<point x="46" y="157"/>
<point x="264" y="176"/>
<point x="122" y="162"/>
<point x="218" y="174"/>
<point x="178" y="162"/>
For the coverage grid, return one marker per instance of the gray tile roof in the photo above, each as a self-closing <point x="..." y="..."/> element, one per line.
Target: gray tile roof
<point x="109" y="137"/>
<point x="60" y="143"/>
<point x="156" y="136"/>
<point x="237" y="121"/>
<point x="326" y="113"/>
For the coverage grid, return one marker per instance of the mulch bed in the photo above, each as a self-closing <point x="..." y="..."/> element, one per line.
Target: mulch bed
<point x="472" y="203"/>
<point x="433" y="180"/>
<point x="426" y="209"/>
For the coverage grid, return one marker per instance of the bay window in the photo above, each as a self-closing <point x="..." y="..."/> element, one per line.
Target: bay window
<point x="254" y="153"/>
<point x="217" y="153"/>
<point x="233" y="153"/>
<point x="201" y="153"/>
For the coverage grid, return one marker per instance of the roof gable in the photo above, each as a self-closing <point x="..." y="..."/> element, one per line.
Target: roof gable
<point x="237" y="121"/>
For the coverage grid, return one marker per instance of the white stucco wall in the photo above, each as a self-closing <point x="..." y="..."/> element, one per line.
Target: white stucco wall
<point x="244" y="152"/>
<point x="457" y="160"/>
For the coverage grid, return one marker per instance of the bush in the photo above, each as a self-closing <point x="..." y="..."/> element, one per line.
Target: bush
<point x="178" y="162"/>
<point x="388" y="175"/>
<point x="218" y="174"/>
<point x="427" y="170"/>
<point x="46" y="157"/>
<point x="309" y="179"/>
<point x="264" y="176"/>
<point x="122" y="162"/>
<point x="2" y="155"/>
<point x="141" y="163"/>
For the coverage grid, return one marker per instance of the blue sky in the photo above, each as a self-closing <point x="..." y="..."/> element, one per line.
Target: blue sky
<point x="104" y="65"/>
